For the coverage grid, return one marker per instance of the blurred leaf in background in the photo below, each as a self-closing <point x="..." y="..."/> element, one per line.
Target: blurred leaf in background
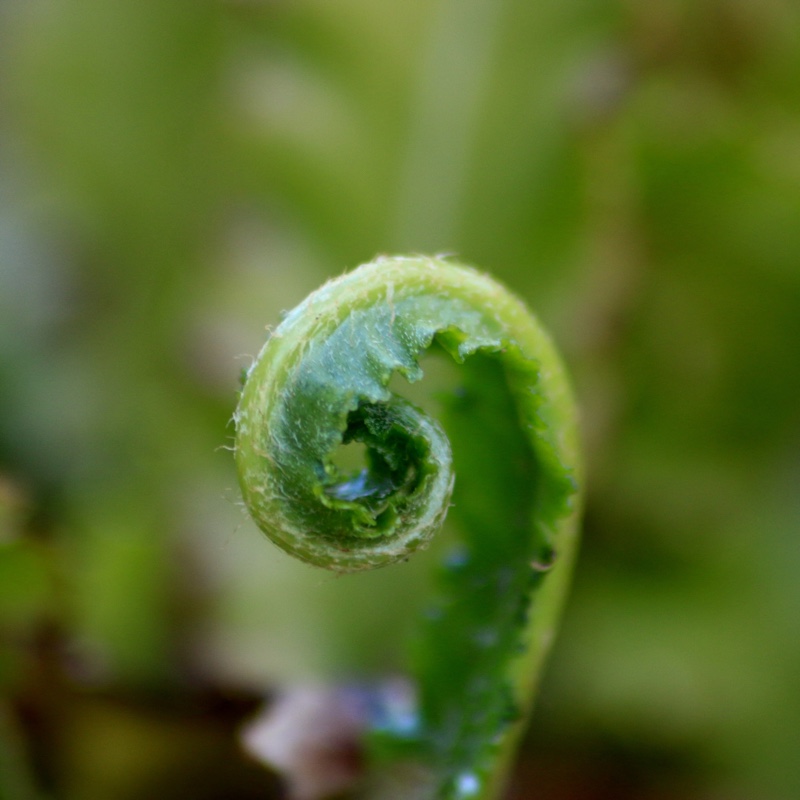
<point x="174" y="174"/>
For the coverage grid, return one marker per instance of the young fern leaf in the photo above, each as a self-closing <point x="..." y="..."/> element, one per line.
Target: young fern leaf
<point x="322" y="380"/>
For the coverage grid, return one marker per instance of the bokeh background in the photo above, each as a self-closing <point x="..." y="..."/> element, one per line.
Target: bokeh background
<point x="175" y="173"/>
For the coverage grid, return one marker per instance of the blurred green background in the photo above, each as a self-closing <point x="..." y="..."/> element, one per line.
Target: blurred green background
<point x="175" y="173"/>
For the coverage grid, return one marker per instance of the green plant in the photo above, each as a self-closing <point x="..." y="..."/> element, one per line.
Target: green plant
<point x="321" y="381"/>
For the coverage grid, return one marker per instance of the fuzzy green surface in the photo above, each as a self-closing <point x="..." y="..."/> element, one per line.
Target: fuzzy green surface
<point x="322" y="379"/>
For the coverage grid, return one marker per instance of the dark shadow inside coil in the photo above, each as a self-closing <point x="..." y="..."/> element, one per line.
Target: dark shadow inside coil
<point x="376" y="461"/>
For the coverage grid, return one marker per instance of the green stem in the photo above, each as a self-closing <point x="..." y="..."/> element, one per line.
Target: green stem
<point x="320" y="381"/>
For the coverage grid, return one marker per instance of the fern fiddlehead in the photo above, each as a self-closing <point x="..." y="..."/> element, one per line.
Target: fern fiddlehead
<point x="322" y="380"/>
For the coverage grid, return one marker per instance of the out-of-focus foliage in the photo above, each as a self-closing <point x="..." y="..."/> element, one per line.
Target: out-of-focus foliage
<point x="173" y="174"/>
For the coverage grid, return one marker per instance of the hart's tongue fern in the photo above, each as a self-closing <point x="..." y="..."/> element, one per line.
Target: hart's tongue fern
<point x="508" y="463"/>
